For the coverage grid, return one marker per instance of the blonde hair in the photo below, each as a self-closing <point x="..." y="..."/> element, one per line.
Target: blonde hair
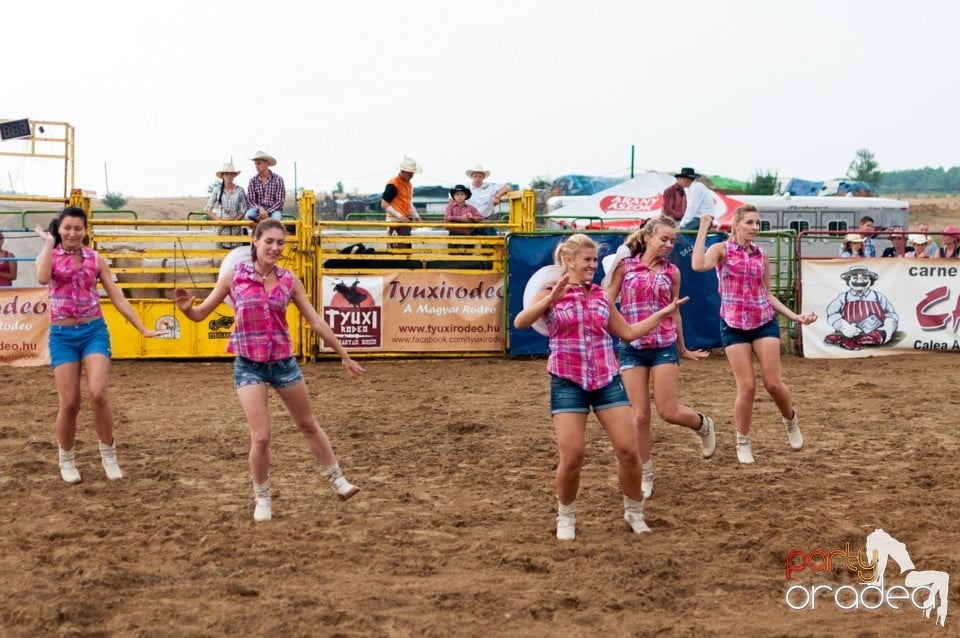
<point x="637" y="240"/>
<point x="740" y="213"/>
<point x="571" y="246"/>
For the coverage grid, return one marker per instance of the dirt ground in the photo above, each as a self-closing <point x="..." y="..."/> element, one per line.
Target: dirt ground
<point x="452" y="533"/>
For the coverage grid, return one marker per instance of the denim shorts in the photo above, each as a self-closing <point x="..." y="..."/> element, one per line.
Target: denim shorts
<point x="567" y="396"/>
<point x="280" y="374"/>
<point x="72" y="344"/>
<point x="733" y="336"/>
<point x="631" y="357"/>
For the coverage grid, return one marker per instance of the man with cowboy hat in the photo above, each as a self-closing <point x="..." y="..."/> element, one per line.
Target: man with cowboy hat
<point x="486" y="196"/>
<point x="460" y="211"/>
<point x="265" y="192"/>
<point x="675" y="197"/>
<point x="699" y="199"/>
<point x="397" y="199"/>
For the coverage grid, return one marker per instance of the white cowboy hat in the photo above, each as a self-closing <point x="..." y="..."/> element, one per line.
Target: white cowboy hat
<point x="227" y="168"/>
<point x="477" y="168"/>
<point x="611" y="261"/>
<point x="540" y="280"/>
<point x="918" y="238"/>
<point x="410" y="165"/>
<point x="853" y="238"/>
<point x="260" y="155"/>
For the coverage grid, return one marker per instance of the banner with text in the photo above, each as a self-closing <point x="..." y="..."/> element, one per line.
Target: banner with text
<point x="875" y="307"/>
<point x="24" y="327"/>
<point x="416" y="311"/>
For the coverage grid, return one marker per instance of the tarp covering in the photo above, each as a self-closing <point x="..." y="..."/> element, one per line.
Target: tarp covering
<point x="626" y="205"/>
<point x="582" y="184"/>
<point x="528" y="253"/>
<point x="802" y="187"/>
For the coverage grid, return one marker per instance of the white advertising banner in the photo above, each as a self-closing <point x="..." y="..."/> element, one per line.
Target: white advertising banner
<point x="877" y="307"/>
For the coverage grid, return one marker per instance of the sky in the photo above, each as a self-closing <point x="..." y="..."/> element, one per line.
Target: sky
<point x="162" y="94"/>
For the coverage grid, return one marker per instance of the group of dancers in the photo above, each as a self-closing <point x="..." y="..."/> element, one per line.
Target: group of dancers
<point x="260" y="289"/>
<point x="579" y="316"/>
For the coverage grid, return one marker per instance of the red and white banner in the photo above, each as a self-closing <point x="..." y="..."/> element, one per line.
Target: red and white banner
<point x="625" y="205"/>
<point x="877" y="307"/>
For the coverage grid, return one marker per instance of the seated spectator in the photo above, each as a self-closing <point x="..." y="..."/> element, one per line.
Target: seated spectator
<point x="852" y="246"/>
<point x="899" y="241"/>
<point x="951" y="243"/>
<point x="931" y="248"/>
<point x="865" y="229"/>
<point x="459" y="211"/>
<point x="920" y="243"/>
<point x="8" y="267"/>
<point x="227" y="202"/>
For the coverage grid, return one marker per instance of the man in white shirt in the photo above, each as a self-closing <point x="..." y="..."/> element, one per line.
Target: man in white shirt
<point x="699" y="199"/>
<point x="486" y="196"/>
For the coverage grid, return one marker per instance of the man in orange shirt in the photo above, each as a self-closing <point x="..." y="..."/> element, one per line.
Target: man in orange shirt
<point x="397" y="199"/>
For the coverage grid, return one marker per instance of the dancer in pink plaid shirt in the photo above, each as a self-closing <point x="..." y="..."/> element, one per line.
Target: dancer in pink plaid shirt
<point x="645" y="280"/>
<point x="261" y="292"/>
<point x="748" y="323"/>
<point x="583" y="375"/>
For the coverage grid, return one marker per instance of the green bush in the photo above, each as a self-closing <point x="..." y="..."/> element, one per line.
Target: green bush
<point x="113" y="201"/>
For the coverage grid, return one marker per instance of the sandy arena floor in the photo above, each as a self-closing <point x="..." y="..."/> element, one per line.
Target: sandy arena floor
<point x="452" y="533"/>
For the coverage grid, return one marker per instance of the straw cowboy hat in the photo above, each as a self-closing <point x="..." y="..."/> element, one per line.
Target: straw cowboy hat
<point x="477" y="168"/>
<point x="686" y="171"/>
<point x="227" y="168"/>
<point x="918" y="239"/>
<point x="853" y="238"/>
<point x="410" y="165"/>
<point x="260" y="155"/>
<point x="460" y="188"/>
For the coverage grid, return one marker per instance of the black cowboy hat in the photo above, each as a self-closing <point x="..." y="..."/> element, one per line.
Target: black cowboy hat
<point x="686" y="171"/>
<point x="460" y="188"/>
<point x="859" y="270"/>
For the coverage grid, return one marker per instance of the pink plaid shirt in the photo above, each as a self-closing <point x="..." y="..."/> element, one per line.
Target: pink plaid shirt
<point x="72" y="291"/>
<point x="261" y="333"/>
<point x="644" y="292"/>
<point x="744" y="303"/>
<point x="581" y="350"/>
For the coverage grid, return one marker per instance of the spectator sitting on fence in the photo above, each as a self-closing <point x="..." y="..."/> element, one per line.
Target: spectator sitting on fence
<point x="700" y="200"/>
<point x="920" y="242"/>
<point x="865" y="230"/>
<point x="397" y="200"/>
<point x="459" y="211"/>
<point x="8" y="267"/>
<point x="931" y="247"/>
<point x="852" y="246"/>
<point x="951" y="243"/>
<point x="227" y="202"/>
<point x="899" y="241"/>
<point x="265" y="192"/>
<point x="487" y="196"/>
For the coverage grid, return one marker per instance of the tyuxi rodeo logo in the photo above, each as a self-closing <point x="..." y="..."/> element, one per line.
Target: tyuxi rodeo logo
<point x="924" y="590"/>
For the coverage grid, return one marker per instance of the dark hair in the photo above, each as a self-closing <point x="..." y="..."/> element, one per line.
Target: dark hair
<point x="865" y="219"/>
<point x="267" y="224"/>
<point x="69" y="211"/>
